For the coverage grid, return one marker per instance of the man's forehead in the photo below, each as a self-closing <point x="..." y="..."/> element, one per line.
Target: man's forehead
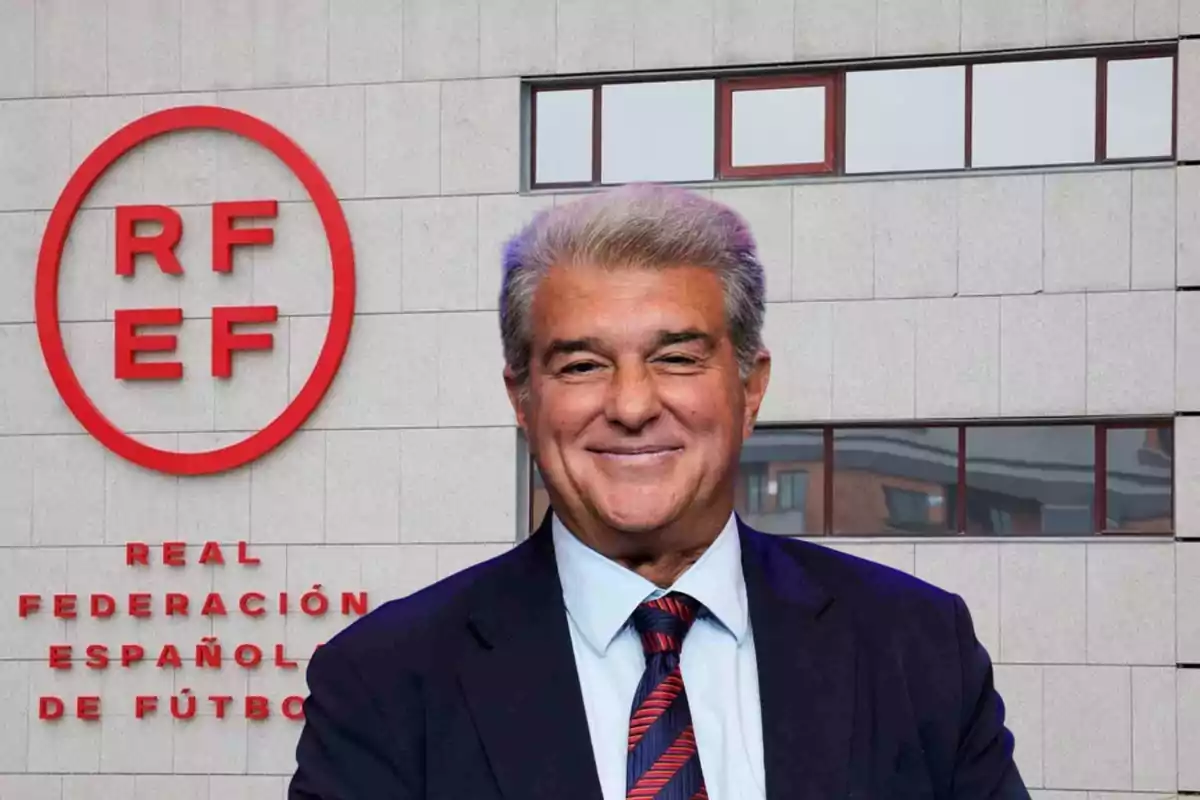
<point x="570" y="286"/>
<point x="588" y="302"/>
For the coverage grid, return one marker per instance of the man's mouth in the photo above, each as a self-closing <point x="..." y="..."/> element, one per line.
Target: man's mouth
<point x="638" y="453"/>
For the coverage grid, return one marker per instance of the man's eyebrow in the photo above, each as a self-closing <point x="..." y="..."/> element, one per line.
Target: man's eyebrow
<point x="560" y="347"/>
<point x="667" y="338"/>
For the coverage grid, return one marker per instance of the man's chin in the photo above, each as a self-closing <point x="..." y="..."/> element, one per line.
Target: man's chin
<point x="637" y="517"/>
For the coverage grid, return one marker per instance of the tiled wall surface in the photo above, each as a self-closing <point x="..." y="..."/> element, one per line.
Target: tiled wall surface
<point x="1020" y="295"/>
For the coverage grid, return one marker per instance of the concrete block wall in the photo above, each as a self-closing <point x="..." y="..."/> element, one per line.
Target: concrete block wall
<point x="983" y="296"/>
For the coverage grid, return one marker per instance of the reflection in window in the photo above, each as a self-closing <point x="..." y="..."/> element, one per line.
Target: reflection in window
<point x="912" y="510"/>
<point x="1066" y="520"/>
<point x="755" y="481"/>
<point x="1138" y="478"/>
<point x="894" y="480"/>
<point x="793" y="487"/>
<point x="1031" y="480"/>
<point x="778" y="467"/>
<point x="983" y="480"/>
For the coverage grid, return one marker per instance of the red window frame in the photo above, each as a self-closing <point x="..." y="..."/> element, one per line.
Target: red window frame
<point x="725" y="91"/>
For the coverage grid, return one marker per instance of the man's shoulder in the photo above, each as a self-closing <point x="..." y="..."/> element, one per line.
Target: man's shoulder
<point x="866" y="584"/>
<point x="893" y="614"/>
<point x="410" y="628"/>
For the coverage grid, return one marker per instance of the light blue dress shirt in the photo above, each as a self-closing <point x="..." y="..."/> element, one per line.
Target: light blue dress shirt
<point x="718" y="663"/>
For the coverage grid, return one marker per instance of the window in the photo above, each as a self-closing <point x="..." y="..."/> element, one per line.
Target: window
<point x="901" y="120"/>
<point x="1044" y="108"/>
<point x="657" y="131"/>
<point x="777" y="126"/>
<point x="784" y="464"/>
<point x="1066" y="478"/>
<point x="878" y="474"/>
<point x="562" y="123"/>
<point x="775" y="500"/>
<point x="1137" y="478"/>
<point x="1033" y="113"/>
<point x="1035" y="479"/>
<point x="1066" y="520"/>
<point x="1139" y="107"/>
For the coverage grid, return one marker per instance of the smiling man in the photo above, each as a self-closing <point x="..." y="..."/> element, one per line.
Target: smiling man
<point x="644" y="643"/>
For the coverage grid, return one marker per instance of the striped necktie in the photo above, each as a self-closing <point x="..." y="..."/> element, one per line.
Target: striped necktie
<point x="663" y="762"/>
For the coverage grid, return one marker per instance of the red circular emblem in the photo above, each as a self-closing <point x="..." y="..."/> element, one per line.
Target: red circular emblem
<point x="50" y="257"/>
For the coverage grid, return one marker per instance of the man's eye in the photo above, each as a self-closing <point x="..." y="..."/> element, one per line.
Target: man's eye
<point x="678" y="360"/>
<point x="579" y="367"/>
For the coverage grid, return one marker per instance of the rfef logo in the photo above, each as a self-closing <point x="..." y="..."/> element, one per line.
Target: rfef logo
<point x="226" y="339"/>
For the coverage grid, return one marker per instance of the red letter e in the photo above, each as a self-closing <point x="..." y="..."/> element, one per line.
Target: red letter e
<point x="127" y="344"/>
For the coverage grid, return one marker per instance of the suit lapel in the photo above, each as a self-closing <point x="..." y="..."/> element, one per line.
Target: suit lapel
<point x="806" y="666"/>
<point x="522" y="687"/>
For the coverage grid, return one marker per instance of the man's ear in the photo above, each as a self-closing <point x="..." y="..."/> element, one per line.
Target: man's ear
<point x="516" y="394"/>
<point x="755" y="387"/>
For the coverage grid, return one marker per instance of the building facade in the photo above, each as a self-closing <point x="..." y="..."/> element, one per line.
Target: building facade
<point x="980" y="222"/>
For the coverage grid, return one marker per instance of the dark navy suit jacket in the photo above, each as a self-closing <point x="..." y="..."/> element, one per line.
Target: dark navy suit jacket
<point x="873" y="685"/>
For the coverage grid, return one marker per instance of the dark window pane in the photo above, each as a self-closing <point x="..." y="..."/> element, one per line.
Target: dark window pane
<point x="894" y="480"/>
<point x="781" y="479"/>
<point x="1139" y="480"/>
<point x="1031" y="480"/>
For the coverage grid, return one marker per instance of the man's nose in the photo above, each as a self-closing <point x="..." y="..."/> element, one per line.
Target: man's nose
<point x="633" y="399"/>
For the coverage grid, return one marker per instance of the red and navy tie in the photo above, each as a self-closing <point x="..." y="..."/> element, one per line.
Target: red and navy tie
<point x="663" y="762"/>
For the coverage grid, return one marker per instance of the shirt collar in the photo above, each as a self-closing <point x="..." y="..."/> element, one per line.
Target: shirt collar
<point x="601" y="594"/>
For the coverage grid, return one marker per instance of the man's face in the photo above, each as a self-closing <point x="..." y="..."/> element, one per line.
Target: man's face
<point x="634" y="408"/>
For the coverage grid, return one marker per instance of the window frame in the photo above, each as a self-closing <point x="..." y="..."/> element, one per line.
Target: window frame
<point x="1097" y="118"/>
<point x="598" y="131"/>
<point x="1101" y="503"/>
<point x="1100" y="428"/>
<point x="834" y="110"/>
<point x="1102" y="63"/>
<point x="595" y="88"/>
<point x="968" y="67"/>
<point x="833" y="76"/>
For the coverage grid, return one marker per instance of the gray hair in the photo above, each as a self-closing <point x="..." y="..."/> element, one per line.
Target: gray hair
<point x="647" y="226"/>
